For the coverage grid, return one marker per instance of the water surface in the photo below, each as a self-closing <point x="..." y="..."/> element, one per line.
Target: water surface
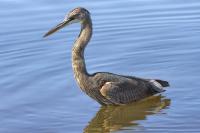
<point x="146" y="38"/>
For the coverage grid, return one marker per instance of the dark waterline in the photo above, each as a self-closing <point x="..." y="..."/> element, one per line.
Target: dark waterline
<point x="148" y="38"/>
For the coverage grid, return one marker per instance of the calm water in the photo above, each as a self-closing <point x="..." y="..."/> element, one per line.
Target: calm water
<point x="146" y="38"/>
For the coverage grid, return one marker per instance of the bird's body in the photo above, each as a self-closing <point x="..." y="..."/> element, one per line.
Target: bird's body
<point x="106" y="88"/>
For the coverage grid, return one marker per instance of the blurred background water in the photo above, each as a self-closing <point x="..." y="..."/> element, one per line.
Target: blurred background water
<point x="146" y="38"/>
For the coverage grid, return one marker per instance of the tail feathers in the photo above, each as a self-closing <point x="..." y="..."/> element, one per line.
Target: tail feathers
<point x="158" y="85"/>
<point x="162" y="82"/>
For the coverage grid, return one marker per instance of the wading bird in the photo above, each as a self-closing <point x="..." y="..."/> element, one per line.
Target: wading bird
<point x="106" y="88"/>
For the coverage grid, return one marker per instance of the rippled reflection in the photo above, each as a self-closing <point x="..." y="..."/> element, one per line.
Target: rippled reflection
<point x="114" y="118"/>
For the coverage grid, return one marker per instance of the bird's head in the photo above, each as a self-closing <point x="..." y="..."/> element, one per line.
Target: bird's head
<point x="78" y="14"/>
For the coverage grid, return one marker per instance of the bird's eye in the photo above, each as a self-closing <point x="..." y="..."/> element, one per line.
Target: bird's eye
<point x="71" y="18"/>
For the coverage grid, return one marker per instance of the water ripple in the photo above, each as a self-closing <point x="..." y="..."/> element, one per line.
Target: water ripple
<point x="147" y="38"/>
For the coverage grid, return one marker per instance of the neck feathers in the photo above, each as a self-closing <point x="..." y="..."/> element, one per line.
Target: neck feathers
<point x="78" y="62"/>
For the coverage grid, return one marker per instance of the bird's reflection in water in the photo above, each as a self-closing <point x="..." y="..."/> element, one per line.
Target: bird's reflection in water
<point x="113" y="118"/>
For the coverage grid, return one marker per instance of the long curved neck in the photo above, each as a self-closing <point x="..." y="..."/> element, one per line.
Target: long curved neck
<point x="78" y="62"/>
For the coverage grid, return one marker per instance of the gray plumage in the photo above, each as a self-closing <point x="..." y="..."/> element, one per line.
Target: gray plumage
<point x="105" y="88"/>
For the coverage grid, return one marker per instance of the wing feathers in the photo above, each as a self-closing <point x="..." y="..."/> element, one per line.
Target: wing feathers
<point x="126" y="92"/>
<point x="122" y="93"/>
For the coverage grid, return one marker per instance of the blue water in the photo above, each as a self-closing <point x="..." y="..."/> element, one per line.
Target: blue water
<point x="145" y="38"/>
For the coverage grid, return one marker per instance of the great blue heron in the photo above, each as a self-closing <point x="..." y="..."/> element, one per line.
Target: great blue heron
<point x="106" y="88"/>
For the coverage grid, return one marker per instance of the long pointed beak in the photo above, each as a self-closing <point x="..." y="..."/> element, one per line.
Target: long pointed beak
<point x="58" y="27"/>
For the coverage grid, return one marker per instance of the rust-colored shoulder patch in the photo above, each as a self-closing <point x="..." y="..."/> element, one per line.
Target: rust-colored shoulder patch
<point x="105" y="88"/>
